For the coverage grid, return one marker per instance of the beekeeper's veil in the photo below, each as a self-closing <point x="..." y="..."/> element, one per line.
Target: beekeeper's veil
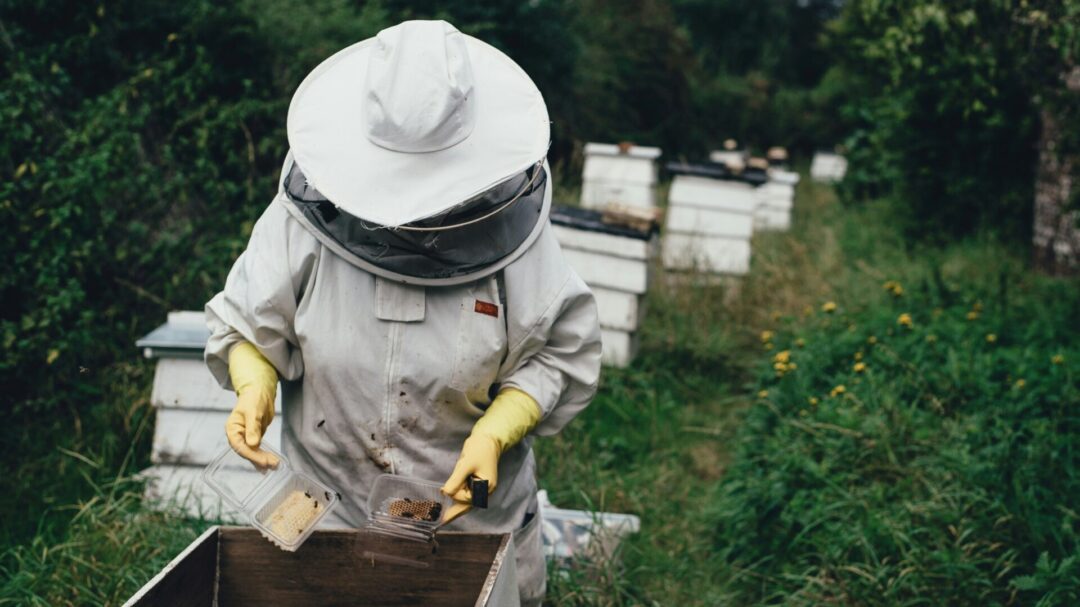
<point x="418" y="155"/>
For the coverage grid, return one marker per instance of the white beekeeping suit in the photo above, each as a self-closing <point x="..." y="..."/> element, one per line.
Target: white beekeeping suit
<point x="406" y="272"/>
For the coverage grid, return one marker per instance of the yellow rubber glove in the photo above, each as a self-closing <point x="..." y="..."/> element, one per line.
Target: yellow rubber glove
<point x="255" y="381"/>
<point x="510" y="417"/>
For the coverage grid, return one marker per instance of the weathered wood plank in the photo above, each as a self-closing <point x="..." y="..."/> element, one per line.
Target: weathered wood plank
<point x="186" y="436"/>
<point x="332" y="569"/>
<point x="709" y="254"/>
<point x="618" y="310"/>
<point x="188" y="384"/>
<point x="712" y="222"/>
<point x="619" y="347"/>
<point x="605" y="244"/>
<point x="597" y="194"/>
<point x="187" y="581"/>
<point x="716" y="194"/>
<point x="629" y="275"/>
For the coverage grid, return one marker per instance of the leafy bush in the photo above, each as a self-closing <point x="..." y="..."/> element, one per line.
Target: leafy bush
<point x="917" y="448"/>
<point x="946" y="99"/>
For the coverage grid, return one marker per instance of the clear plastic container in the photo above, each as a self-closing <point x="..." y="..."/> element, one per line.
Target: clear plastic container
<point x="406" y="512"/>
<point x="406" y="507"/>
<point x="284" y="504"/>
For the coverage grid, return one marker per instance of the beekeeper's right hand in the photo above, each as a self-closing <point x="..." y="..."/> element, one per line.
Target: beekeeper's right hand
<point x="255" y="381"/>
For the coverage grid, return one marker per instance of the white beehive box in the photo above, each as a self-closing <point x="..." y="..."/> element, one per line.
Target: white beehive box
<point x="828" y="167"/>
<point x="709" y="224"/>
<point x="619" y="174"/>
<point x="776" y="198"/>
<point x="191" y="413"/>
<point x="615" y="262"/>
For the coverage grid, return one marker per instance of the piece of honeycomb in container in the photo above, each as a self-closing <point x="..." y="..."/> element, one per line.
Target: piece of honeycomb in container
<point x="293" y="515"/>
<point x="422" y="510"/>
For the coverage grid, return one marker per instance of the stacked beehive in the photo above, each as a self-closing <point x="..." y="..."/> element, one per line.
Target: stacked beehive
<point x="623" y="174"/>
<point x="191" y="413"/>
<point x="776" y="197"/>
<point x="828" y="167"/>
<point x="710" y="219"/>
<point x="614" y="260"/>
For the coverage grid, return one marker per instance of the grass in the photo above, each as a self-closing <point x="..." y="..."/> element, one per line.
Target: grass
<point x="875" y="497"/>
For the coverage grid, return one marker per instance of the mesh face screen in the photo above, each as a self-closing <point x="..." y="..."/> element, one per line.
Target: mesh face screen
<point x="439" y="254"/>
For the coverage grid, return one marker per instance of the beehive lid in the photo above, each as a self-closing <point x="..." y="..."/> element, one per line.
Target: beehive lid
<point x="713" y="170"/>
<point x="593" y="221"/>
<point x="613" y="149"/>
<point x="183" y="335"/>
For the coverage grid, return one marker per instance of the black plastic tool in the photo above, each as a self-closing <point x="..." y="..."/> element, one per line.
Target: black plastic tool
<point x="479" y="489"/>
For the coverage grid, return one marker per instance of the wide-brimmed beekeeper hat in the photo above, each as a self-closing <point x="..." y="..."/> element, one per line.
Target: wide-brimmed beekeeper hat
<point x="414" y="122"/>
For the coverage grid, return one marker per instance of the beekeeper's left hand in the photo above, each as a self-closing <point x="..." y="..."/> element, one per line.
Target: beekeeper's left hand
<point x="510" y="417"/>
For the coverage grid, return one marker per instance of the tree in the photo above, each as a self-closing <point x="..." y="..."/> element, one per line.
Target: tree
<point x="1053" y="50"/>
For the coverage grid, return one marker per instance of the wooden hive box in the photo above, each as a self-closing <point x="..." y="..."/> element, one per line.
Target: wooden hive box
<point x="191" y="412"/>
<point x="619" y="174"/>
<point x="615" y="261"/>
<point x="776" y="198"/>
<point x="710" y="220"/>
<point x="229" y="566"/>
<point x="828" y="167"/>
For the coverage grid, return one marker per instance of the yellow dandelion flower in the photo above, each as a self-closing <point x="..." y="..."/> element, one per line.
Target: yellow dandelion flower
<point x="171" y="37"/>
<point x="858" y="356"/>
<point x="1020" y="383"/>
<point x="904" y="320"/>
<point x="763" y="394"/>
<point x="768" y="345"/>
<point x="991" y="338"/>
<point x="871" y="340"/>
<point x="859" y="367"/>
<point x="828" y="307"/>
<point x="893" y="287"/>
<point x="792" y="366"/>
<point x="782" y="356"/>
<point x="1057" y="359"/>
<point x="800" y="343"/>
<point x="813" y="400"/>
<point x="837" y="391"/>
<point x="973" y="315"/>
<point x="766" y="336"/>
<point x="780" y="367"/>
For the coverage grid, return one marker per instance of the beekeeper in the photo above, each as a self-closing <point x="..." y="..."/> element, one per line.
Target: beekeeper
<point x="406" y="289"/>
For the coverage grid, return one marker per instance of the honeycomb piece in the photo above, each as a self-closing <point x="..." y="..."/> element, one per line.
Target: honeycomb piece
<point x="424" y="510"/>
<point x="293" y="515"/>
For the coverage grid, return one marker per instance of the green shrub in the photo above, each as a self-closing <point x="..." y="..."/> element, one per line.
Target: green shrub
<point x="946" y="101"/>
<point x="917" y="448"/>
